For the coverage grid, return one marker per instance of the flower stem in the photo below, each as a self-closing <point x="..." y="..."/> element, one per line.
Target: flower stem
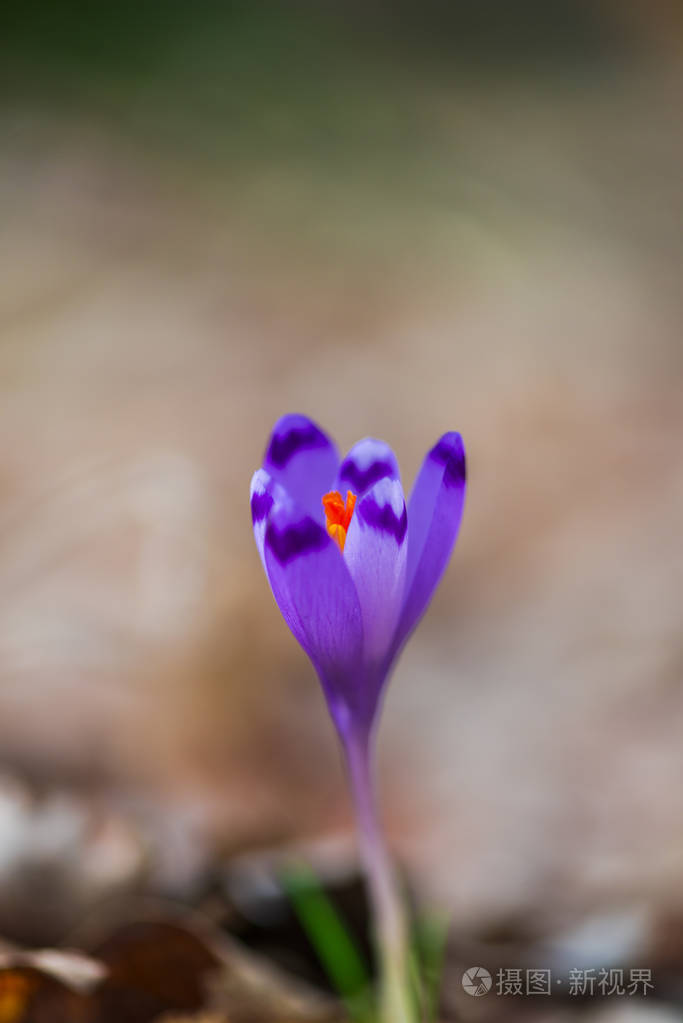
<point x="391" y="933"/>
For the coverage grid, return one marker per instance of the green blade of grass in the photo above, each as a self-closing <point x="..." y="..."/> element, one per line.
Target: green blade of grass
<point x="428" y="954"/>
<point x="330" y="937"/>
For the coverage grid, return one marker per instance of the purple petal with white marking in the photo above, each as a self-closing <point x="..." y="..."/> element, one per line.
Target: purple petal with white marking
<point x="376" y="554"/>
<point x="314" y="591"/>
<point x="264" y="494"/>
<point x="367" y="462"/>
<point x="434" y="513"/>
<point x="303" y="460"/>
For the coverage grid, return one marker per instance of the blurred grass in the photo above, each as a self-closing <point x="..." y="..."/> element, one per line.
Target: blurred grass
<point x="337" y="951"/>
<point x="129" y="38"/>
<point x="269" y="76"/>
<point x="429" y="939"/>
<point x="331" y="940"/>
<point x="322" y="122"/>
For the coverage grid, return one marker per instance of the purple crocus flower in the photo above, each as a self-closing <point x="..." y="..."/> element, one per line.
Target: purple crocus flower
<point x="352" y="569"/>
<point x="352" y="609"/>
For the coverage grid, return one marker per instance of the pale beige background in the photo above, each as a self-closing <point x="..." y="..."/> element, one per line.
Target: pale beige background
<point x="500" y="257"/>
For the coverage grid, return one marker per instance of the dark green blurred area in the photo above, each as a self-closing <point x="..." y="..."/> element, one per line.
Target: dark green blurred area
<point x="132" y="38"/>
<point x="331" y="101"/>
<point x="272" y="68"/>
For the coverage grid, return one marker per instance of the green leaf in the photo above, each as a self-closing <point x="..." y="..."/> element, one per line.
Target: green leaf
<point x="428" y="950"/>
<point x="332" y="941"/>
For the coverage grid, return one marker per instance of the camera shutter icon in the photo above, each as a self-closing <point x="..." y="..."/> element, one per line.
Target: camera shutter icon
<point x="476" y="981"/>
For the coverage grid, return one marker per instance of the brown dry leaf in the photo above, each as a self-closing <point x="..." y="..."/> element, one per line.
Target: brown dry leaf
<point x="163" y="966"/>
<point x="32" y="995"/>
<point x="48" y="985"/>
<point x="174" y="963"/>
<point x="153" y="968"/>
<point x="203" y="1018"/>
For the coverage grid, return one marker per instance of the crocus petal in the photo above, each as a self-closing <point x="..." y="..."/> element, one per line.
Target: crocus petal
<point x="367" y="462"/>
<point x="376" y="553"/>
<point x="264" y="493"/>
<point x="434" y="513"/>
<point x="303" y="460"/>
<point x="314" y="591"/>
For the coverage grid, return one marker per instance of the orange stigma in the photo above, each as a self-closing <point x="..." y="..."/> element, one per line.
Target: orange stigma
<point x="338" y="514"/>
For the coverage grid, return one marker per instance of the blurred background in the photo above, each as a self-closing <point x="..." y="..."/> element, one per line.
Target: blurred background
<point x="399" y="219"/>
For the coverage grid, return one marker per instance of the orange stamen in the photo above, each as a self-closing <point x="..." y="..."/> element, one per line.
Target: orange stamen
<point x="338" y="514"/>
